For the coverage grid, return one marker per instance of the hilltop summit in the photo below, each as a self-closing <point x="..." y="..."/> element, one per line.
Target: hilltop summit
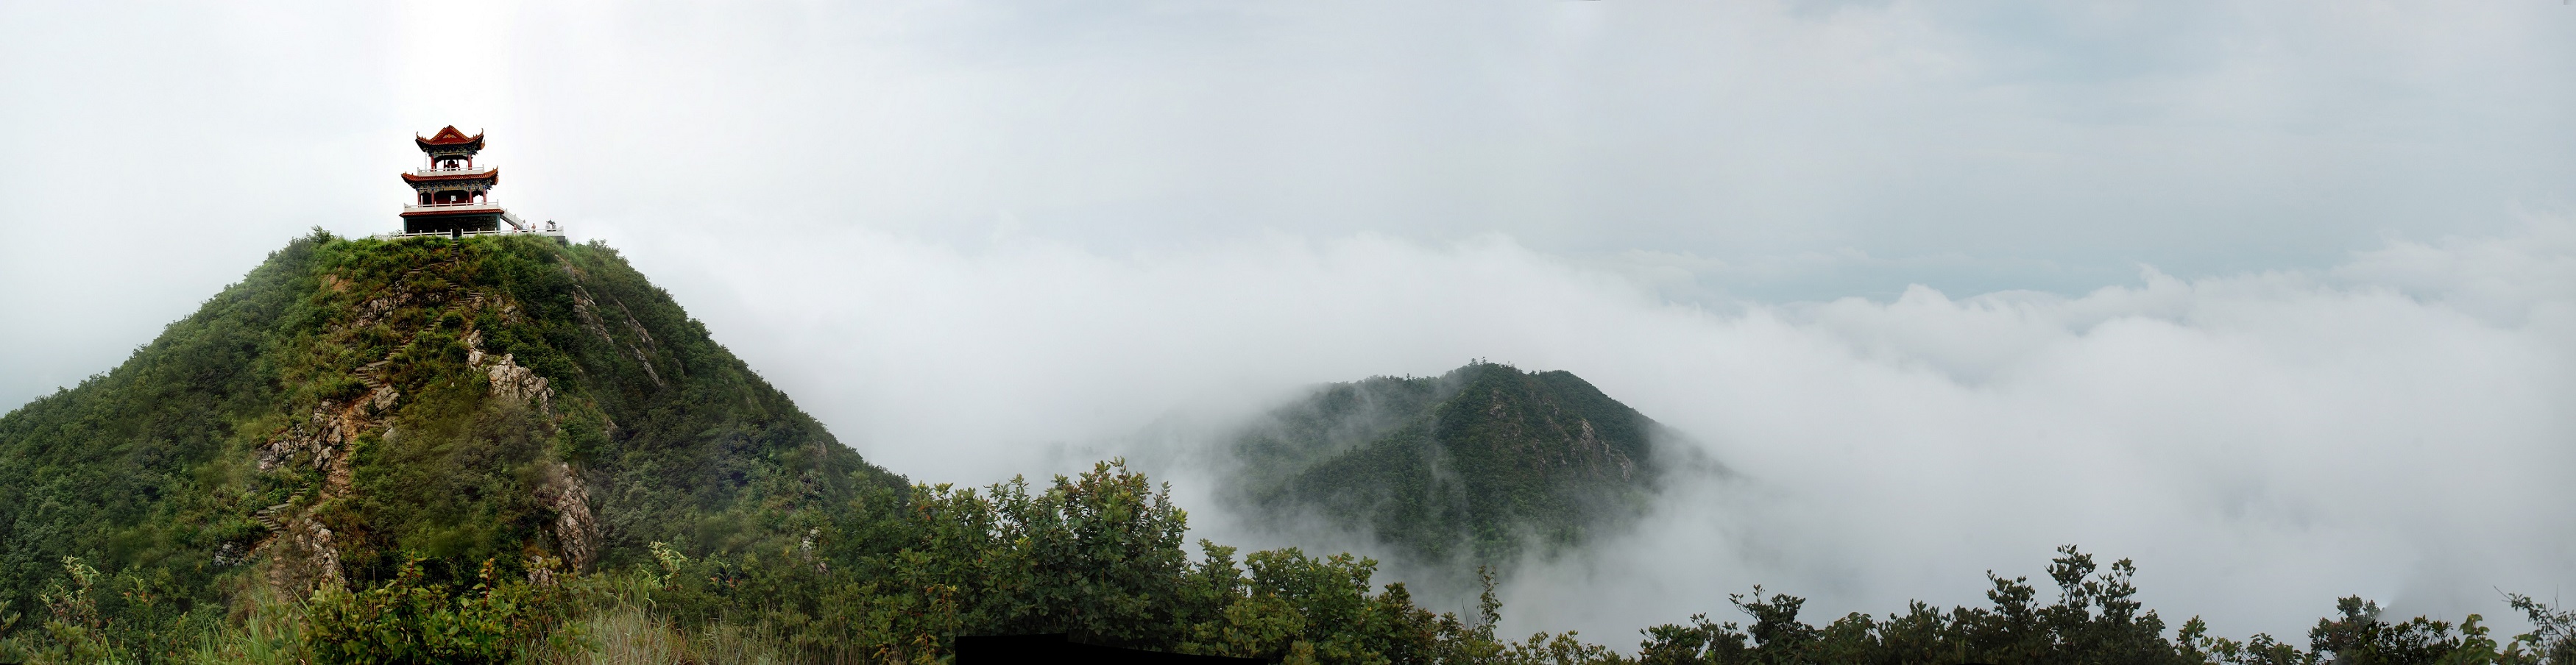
<point x="352" y="403"/>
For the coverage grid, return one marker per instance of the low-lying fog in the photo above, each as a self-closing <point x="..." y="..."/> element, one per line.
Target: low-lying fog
<point x="2261" y="444"/>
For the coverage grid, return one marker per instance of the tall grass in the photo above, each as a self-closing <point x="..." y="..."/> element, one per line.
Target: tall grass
<point x="621" y="628"/>
<point x="624" y="630"/>
<point x="269" y="631"/>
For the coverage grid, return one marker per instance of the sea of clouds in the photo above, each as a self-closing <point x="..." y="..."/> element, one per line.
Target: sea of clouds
<point x="2394" y="426"/>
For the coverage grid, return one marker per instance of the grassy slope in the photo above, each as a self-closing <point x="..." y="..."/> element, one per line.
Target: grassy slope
<point x="154" y="467"/>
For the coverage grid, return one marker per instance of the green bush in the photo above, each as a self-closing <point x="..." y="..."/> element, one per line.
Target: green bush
<point x="409" y="621"/>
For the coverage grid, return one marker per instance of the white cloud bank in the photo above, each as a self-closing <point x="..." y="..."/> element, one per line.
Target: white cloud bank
<point x="2262" y="444"/>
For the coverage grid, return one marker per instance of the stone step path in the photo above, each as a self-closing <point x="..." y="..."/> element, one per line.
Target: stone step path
<point x="268" y="516"/>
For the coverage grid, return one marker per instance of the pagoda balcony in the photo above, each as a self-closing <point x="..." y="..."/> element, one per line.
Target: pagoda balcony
<point x="512" y="226"/>
<point x="433" y="173"/>
<point x="416" y="209"/>
<point x="547" y="231"/>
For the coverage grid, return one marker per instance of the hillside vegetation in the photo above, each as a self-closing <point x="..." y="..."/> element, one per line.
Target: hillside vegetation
<point x="507" y="450"/>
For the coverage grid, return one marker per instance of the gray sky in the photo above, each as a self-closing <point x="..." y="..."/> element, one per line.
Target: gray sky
<point x="2274" y="297"/>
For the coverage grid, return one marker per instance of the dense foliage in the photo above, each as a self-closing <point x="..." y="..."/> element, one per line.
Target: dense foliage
<point x="1100" y="556"/>
<point x="2096" y="619"/>
<point x="1463" y="469"/>
<point x="409" y="620"/>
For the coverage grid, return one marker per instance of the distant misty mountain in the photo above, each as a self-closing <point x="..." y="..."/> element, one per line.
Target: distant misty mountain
<point x="1481" y="465"/>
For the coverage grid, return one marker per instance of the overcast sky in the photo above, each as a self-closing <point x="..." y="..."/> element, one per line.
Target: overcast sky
<point x="2278" y="298"/>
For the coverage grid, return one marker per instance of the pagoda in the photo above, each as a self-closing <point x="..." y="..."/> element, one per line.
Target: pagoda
<point x="453" y="196"/>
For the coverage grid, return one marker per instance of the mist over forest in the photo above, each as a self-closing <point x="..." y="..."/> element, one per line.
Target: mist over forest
<point x="2260" y="443"/>
<point x="2276" y="302"/>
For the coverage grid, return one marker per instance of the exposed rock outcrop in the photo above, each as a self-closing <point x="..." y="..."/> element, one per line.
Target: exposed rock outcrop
<point x="301" y="556"/>
<point x="576" y="532"/>
<point x="509" y="380"/>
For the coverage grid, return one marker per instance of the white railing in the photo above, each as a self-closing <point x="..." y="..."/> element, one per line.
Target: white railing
<point x="485" y="206"/>
<point x="462" y="170"/>
<point x="517" y="226"/>
<point x="551" y="231"/>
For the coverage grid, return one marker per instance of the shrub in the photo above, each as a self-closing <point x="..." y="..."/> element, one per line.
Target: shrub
<point x="409" y="621"/>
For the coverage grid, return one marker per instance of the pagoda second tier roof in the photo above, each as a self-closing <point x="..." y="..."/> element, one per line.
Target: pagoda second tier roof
<point x="493" y="175"/>
<point x="449" y="137"/>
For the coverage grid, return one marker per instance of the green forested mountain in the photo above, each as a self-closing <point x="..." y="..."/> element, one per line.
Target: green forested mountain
<point x="1471" y="467"/>
<point x="353" y="403"/>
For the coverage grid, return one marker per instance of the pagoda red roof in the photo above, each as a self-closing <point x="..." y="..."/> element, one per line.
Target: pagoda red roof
<point x="493" y="175"/>
<point x="450" y="136"/>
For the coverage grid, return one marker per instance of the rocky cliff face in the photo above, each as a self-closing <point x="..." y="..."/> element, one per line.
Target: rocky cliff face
<point x="354" y="404"/>
<point x="1477" y="466"/>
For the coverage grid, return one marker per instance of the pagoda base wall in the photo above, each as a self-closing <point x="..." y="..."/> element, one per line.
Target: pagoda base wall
<point x="446" y="223"/>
